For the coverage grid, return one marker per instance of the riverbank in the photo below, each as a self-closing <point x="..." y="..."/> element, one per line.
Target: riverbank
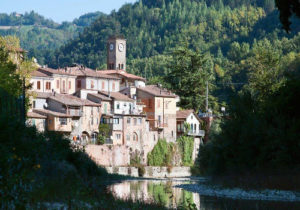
<point x="41" y="170"/>
<point x="238" y="193"/>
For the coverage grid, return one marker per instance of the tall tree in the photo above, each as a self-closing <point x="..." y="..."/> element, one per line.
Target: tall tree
<point x="189" y="72"/>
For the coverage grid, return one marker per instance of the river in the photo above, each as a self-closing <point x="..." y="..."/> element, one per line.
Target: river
<point x="165" y="192"/>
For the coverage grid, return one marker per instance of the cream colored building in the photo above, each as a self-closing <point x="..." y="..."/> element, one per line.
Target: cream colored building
<point x="160" y="107"/>
<point x="51" y="80"/>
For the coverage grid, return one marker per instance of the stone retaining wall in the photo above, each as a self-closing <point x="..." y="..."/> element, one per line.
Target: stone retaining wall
<point x="151" y="172"/>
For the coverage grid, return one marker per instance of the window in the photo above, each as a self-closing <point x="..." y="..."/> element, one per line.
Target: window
<point x="118" y="136"/>
<point x="158" y="103"/>
<point x="63" y="121"/>
<point x="64" y="86"/>
<point x="128" y="137"/>
<point x="128" y="120"/>
<point x="33" y="105"/>
<point x="159" y="118"/>
<point x="178" y="127"/>
<point x="105" y="108"/>
<point x="116" y="121"/>
<point x="192" y="117"/>
<point x="103" y="85"/>
<point x="172" y="133"/>
<point x="33" y="122"/>
<point x="57" y="84"/>
<point x="92" y="84"/>
<point x="70" y="84"/>
<point x="111" y="66"/>
<point x="48" y="86"/>
<point x="135" y="137"/>
<point x="113" y="86"/>
<point x="139" y="121"/>
<point x="92" y="121"/>
<point x="122" y="66"/>
<point x="134" y="121"/>
<point x="119" y="66"/>
<point x="78" y="83"/>
<point x="38" y="85"/>
<point x="118" y="106"/>
<point x="195" y="128"/>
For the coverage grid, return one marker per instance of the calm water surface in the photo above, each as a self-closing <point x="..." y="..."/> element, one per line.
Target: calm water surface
<point x="163" y="191"/>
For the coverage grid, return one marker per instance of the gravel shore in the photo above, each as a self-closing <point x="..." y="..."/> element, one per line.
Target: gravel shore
<point x="237" y="193"/>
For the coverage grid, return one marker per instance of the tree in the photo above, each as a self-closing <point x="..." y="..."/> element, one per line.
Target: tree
<point x="188" y="75"/>
<point x="287" y="8"/>
<point x="14" y="68"/>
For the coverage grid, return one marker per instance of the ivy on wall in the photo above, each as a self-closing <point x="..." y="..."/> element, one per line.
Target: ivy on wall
<point x="163" y="153"/>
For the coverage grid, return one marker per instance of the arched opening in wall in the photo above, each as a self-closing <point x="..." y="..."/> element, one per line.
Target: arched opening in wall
<point x="94" y="137"/>
<point x="135" y="137"/>
<point x="85" y="137"/>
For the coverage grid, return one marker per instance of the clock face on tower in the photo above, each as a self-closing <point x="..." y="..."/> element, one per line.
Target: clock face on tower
<point x="121" y="47"/>
<point x="111" y="47"/>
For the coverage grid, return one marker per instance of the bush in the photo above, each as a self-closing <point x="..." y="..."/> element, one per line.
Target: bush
<point x="160" y="155"/>
<point x="101" y="140"/>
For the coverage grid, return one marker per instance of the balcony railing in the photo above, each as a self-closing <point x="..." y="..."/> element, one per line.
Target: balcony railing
<point x="196" y="133"/>
<point x="74" y="112"/>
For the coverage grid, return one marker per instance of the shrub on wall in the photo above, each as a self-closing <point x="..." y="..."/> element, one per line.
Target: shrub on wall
<point x="186" y="147"/>
<point x="161" y="154"/>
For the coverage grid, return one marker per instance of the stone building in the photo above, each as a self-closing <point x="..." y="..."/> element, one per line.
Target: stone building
<point x="160" y="108"/>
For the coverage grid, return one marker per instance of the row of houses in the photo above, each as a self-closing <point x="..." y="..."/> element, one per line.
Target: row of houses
<point x="77" y="100"/>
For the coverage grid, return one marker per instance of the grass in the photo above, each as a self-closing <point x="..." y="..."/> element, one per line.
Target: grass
<point x="40" y="169"/>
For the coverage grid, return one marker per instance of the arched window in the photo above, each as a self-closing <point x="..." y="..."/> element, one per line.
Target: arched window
<point x="135" y="137"/>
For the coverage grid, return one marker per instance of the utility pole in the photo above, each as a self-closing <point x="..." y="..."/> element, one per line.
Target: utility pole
<point x="206" y="96"/>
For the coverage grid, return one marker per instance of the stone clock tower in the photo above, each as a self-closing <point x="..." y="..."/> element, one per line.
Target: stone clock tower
<point x="116" y="53"/>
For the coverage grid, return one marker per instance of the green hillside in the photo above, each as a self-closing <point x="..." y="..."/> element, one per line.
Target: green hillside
<point x="156" y="28"/>
<point x="39" y="35"/>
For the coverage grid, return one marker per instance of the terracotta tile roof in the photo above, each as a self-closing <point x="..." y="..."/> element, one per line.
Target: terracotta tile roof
<point x="38" y="73"/>
<point x="72" y="100"/>
<point x="117" y="96"/>
<point x="47" y="112"/>
<point x="157" y="91"/>
<point x="100" y="96"/>
<point x="35" y="115"/>
<point x="84" y="71"/>
<point x="122" y="73"/>
<point x="56" y="71"/>
<point x="40" y="94"/>
<point x="183" y="114"/>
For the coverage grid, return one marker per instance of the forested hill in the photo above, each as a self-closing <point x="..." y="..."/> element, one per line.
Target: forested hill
<point x="154" y="28"/>
<point x="40" y="35"/>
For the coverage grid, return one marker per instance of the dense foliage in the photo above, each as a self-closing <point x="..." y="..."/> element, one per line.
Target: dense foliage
<point x="262" y="132"/>
<point x="161" y="155"/>
<point x="172" y="154"/>
<point x="186" y="148"/>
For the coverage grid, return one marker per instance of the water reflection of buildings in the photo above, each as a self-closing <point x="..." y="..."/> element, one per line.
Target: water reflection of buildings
<point x="158" y="191"/>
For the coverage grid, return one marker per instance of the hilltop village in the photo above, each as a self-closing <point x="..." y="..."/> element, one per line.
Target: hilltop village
<point x="128" y="114"/>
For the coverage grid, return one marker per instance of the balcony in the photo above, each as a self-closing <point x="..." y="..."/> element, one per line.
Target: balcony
<point x="196" y="133"/>
<point x="74" y="112"/>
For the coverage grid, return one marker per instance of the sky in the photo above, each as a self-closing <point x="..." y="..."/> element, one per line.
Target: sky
<point x="61" y="10"/>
